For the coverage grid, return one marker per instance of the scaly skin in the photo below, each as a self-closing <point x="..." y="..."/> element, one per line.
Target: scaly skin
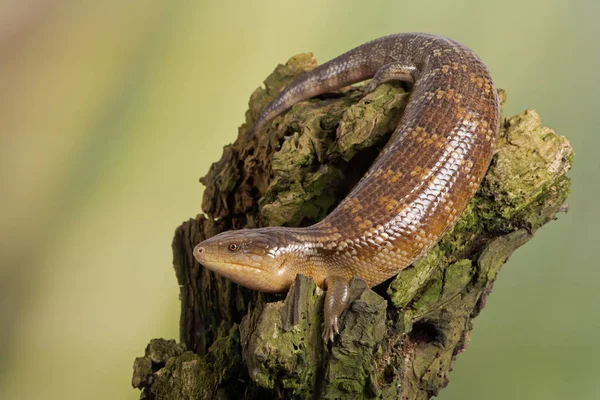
<point x="414" y="192"/>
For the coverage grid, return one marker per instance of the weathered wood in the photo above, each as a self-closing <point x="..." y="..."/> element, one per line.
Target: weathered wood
<point x="399" y="339"/>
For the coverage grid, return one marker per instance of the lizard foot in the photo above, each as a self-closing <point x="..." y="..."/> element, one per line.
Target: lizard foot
<point x="336" y="301"/>
<point x="330" y="330"/>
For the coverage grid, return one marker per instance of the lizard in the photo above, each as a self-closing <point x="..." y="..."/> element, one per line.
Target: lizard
<point x="414" y="192"/>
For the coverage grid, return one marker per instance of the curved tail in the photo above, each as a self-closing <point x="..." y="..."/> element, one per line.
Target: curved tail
<point x="351" y="67"/>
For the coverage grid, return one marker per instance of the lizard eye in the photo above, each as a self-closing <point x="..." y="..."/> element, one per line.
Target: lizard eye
<point x="233" y="247"/>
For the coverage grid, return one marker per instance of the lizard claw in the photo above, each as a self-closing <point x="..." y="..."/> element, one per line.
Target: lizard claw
<point x="331" y="330"/>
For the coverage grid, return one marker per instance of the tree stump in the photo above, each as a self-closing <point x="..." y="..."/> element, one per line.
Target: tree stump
<point x="398" y="339"/>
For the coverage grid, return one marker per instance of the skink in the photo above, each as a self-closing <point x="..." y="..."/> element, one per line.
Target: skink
<point x="413" y="193"/>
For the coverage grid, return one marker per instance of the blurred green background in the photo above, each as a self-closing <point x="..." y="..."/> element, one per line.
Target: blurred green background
<point x="110" y="111"/>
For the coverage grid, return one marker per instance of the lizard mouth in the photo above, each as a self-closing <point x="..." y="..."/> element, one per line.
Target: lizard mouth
<point x="229" y="266"/>
<point x="216" y="263"/>
<point x="251" y="277"/>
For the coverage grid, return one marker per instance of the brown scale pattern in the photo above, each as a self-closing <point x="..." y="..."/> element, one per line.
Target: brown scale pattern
<point x="427" y="173"/>
<point x="414" y="192"/>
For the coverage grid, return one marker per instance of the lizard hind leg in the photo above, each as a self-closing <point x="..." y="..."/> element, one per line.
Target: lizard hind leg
<point x="394" y="71"/>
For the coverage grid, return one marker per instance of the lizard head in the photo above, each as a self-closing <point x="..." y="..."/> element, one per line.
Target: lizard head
<point x="255" y="258"/>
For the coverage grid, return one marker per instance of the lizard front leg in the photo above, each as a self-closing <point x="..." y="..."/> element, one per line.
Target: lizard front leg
<point x="336" y="300"/>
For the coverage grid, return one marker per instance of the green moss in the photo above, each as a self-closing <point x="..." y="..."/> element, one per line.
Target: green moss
<point x="285" y="358"/>
<point x="307" y="201"/>
<point x="408" y="283"/>
<point x="181" y="378"/>
<point x="497" y="252"/>
<point x="368" y="122"/>
<point x="156" y="355"/>
<point x="180" y="374"/>
<point x="160" y="350"/>
<point x="456" y="277"/>
<point x="466" y="229"/>
<point x="430" y="295"/>
<point x="524" y="172"/>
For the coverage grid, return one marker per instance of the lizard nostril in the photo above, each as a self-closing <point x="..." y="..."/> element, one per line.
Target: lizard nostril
<point x="199" y="251"/>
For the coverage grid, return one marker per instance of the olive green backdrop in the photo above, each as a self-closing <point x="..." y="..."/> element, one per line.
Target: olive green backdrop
<point x="111" y="111"/>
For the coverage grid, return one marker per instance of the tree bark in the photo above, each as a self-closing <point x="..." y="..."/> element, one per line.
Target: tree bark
<point x="398" y="339"/>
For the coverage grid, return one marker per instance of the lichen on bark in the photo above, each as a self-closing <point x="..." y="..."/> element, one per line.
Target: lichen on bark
<point x="398" y="339"/>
